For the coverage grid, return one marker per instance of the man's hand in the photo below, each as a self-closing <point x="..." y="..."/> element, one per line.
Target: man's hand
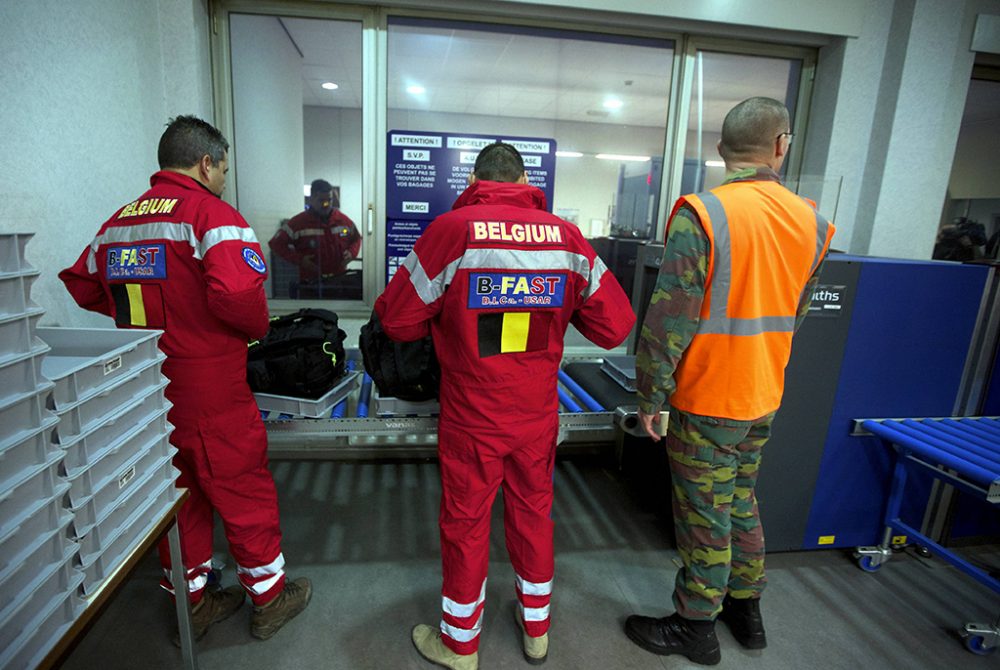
<point x="651" y="424"/>
<point x="308" y="264"/>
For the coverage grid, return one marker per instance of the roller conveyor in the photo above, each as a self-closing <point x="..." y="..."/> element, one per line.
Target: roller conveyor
<point x="363" y="426"/>
<point x="963" y="452"/>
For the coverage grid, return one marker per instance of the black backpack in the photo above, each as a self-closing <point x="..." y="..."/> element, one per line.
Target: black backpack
<point x="302" y="355"/>
<point x="404" y="370"/>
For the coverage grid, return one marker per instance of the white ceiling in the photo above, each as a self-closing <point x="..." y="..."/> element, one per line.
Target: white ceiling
<point x="546" y="76"/>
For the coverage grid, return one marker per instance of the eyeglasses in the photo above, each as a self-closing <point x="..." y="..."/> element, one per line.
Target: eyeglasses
<point x="789" y="135"/>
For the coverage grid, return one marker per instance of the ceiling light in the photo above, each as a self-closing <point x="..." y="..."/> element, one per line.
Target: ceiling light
<point x="622" y="157"/>
<point x="568" y="154"/>
<point x="416" y="89"/>
<point x="613" y="103"/>
<point x="329" y="85"/>
<point x="715" y="164"/>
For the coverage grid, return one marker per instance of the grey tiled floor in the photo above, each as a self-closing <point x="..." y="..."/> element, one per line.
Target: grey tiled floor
<point x="366" y="535"/>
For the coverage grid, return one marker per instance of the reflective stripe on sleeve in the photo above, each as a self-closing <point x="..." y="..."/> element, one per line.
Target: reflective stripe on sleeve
<point x="463" y="610"/>
<point x="429" y="288"/>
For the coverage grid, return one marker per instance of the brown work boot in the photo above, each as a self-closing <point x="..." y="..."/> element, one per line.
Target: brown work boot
<point x="536" y="649"/>
<point x="270" y="617"/>
<point x="214" y="606"/>
<point x="427" y="640"/>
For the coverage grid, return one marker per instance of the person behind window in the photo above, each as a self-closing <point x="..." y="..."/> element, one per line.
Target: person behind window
<point x="739" y="267"/>
<point x="320" y="241"/>
<point x="496" y="282"/>
<point x="179" y="259"/>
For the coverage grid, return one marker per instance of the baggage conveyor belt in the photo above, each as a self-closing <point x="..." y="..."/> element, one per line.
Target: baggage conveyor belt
<point x="594" y="410"/>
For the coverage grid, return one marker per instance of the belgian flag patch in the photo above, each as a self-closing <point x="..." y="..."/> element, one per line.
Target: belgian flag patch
<point x="513" y="332"/>
<point x="138" y="305"/>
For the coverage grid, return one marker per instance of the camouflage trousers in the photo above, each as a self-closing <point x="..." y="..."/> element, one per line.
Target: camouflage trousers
<point x="713" y="468"/>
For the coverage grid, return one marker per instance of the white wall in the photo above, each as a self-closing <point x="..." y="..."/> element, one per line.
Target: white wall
<point x="267" y="104"/>
<point x="87" y="89"/>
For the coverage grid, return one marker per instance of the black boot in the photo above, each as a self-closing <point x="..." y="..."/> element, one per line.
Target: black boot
<point x="742" y="615"/>
<point x="675" y="635"/>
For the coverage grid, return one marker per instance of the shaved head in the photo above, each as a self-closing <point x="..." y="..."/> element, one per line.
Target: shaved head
<point x="751" y="128"/>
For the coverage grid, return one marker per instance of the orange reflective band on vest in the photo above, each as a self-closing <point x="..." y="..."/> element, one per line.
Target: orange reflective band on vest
<point x="766" y="242"/>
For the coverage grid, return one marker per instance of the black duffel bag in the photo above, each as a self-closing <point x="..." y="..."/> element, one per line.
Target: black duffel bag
<point x="302" y="355"/>
<point x="405" y="370"/>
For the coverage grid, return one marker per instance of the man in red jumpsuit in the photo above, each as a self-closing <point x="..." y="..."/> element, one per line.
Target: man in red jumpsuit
<point x="496" y="282"/>
<point x="321" y="241"/>
<point x="181" y="260"/>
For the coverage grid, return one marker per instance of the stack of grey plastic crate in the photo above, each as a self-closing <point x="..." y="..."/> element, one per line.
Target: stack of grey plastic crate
<point x="39" y="594"/>
<point x="114" y="434"/>
<point x="85" y="461"/>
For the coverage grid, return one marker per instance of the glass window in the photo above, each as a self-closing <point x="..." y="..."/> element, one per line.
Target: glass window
<point x="297" y="94"/>
<point x="721" y="80"/>
<point x="971" y="224"/>
<point x="589" y="110"/>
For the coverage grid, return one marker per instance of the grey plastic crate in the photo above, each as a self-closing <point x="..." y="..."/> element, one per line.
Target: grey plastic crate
<point x="12" y="252"/>
<point x="621" y="369"/>
<point x="389" y="406"/>
<point x="54" y="593"/>
<point x="34" y="448"/>
<point x="22" y="374"/>
<point x="304" y="407"/>
<point x="19" y="538"/>
<point x="86" y="415"/>
<point x="28" y="494"/>
<point x="86" y="361"/>
<point x="101" y="536"/>
<point x="52" y="548"/>
<point x="20" y="415"/>
<point x="29" y="650"/>
<point x="15" y="293"/>
<point x="148" y="441"/>
<point x="97" y="508"/>
<point x="131" y="531"/>
<point x="17" y="334"/>
<point x="82" y="450"/>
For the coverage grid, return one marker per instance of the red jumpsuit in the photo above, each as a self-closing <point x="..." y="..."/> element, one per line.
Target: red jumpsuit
<point x="181" y="260"/>
<point x="306" y="234"/>
<point x="496" y="282"/>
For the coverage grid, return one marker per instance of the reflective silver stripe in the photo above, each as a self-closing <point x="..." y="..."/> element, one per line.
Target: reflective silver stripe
<point x="522" y="259"/>
<point x="310" y="232"/>
<point x="173" y="232"/>
<point x="533" y="588"/>
<point x="534" y="613"/>
<point x="463" y="610"/>
<point x="264" y="570"/>
<point x="224" y="234"/>
<point x="288" y="230"/>
<point x="195" y="584"/>
<point x="822" y="229"/>
<point x="429" y="289"/>
<point x="764" y="324"/>
<point x="595" y="278"/>
<point x="722" y="265"/>
<point x="462" y="634"/>
<point x="260" y="588"/>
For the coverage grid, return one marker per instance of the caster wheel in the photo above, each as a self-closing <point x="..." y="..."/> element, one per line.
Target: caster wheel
<point x="976" y="644"/>
<point x="868" y="564"/>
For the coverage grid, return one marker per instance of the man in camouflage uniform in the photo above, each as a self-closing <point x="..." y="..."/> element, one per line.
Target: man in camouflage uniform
<point x="723" y="249"/>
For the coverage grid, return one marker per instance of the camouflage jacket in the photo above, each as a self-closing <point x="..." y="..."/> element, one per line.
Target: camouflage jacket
<point x="674" y="308"/>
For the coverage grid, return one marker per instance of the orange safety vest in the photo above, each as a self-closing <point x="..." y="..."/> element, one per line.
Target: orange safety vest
<point x="766" y="242"/>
